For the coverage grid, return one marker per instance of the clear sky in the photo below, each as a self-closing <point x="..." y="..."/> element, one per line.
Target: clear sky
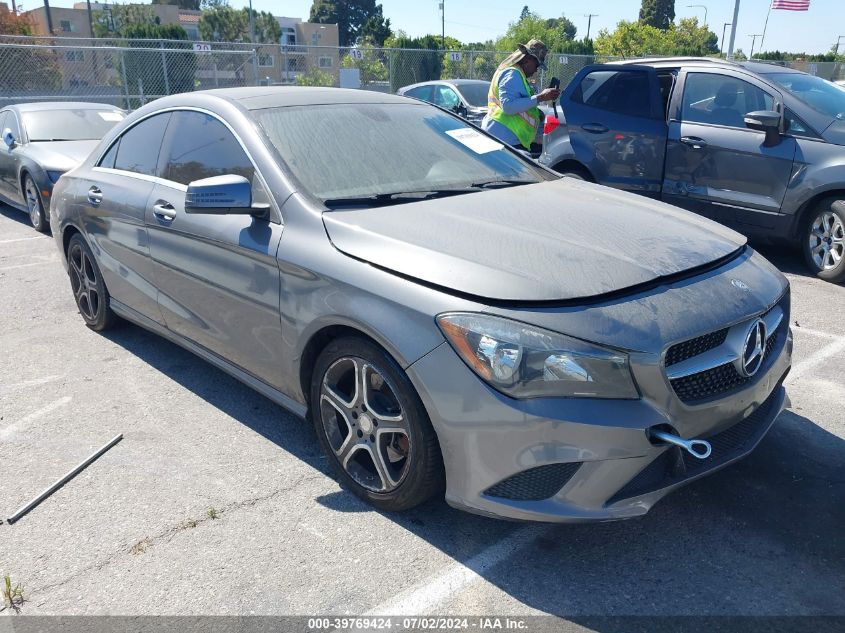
<point x="814" y="31"/>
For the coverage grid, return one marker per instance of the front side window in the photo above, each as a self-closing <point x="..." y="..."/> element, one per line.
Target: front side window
<point x="623" y="92"/>
<point x="445" y="97"/>
<point x="199" y="146"/>
<point x="139" y="147"/>
<point x="722" y="100"/>
<point x="70" y="125"/>
<point x="363" y="150"/>
<point x="9" y="120"/>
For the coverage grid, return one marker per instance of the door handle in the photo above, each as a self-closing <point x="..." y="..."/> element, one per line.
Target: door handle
<point x="164" y="211"/>
<point x="694" y="142"/>
<point x="594" y="128"/>
<point x="95" y="195"/>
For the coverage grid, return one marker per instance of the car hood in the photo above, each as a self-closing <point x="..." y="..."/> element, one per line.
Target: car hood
<point x="552" y="241"/>
<point x="60" y="155"/>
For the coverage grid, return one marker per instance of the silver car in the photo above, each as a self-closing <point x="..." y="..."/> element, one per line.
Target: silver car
<point x="448" y="315"/>
<point x="41" y="141"/>
<point x="464" y="97"/>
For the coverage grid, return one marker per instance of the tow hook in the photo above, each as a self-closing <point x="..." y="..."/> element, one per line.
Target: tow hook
<point x="700" y="449"/>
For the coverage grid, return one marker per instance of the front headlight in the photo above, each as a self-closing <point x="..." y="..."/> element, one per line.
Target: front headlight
<point x="54" y="176"/>
<point x="523" y="361"/>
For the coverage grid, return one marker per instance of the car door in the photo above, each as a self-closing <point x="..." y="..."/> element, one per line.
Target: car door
<point x="446" y="97"/>
<point x="617" y="127"/>
<point x="217" y="275"/>
<point x="114" y="194"/>
<point x="715" y="165"/>
<point x="9" y="186"/>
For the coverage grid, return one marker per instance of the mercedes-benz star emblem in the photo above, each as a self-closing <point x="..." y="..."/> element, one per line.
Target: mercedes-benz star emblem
<point x="740" y="284"/>
<point x="754" y="349"/>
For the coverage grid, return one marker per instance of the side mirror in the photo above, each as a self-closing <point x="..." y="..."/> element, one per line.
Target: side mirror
<point x="9" y="138"/>
<point x="221" y="195"/>
<point x="765" y="121"/>
<point x="461" y="109"/>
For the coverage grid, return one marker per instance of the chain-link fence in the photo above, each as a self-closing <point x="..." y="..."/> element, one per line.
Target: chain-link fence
<point x="128" y="73"/>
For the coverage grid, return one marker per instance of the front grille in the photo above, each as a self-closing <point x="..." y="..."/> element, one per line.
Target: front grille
<point x="725" y="379"/>
<point x="708" y="383"/>
<point x="695" y="346"/>
<point x="676" y="465"/>
<point x="534" y="484"/>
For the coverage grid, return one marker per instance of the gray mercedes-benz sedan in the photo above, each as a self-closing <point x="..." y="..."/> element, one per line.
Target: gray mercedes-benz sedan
<point x="448" y="314"/>
<point x="41" y="141"/>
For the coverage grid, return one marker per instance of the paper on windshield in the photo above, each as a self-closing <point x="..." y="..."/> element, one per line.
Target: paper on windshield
<point x="478" y="143"/>
<point x="111" y="116"/>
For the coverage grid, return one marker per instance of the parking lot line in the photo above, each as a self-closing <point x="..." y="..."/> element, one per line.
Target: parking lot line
<point x="46" y="261"/>
<point x="56" y="404"/>
<point x="4" y="389"/>
<point x="823" y="354"/>
<point x="425" y="596"/>
<point x="812" y="332"/>
<point x="24" y="239"/>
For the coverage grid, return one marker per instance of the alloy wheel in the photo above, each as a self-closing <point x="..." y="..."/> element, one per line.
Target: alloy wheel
<point x="83" y="282"/>
<point x="33" y="203"/>
<point x="827" y="241"/>
<point x="365" y="425"/>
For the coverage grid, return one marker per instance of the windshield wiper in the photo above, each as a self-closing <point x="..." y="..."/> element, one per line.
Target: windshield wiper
<point x="490" y="184"/>
<point x="396" y="197"/>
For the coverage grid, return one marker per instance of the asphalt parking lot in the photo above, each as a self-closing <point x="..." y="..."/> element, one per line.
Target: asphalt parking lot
<point x="218" y="501"/>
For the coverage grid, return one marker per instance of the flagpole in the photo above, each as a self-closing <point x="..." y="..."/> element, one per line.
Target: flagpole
<point x="763" y="41"/>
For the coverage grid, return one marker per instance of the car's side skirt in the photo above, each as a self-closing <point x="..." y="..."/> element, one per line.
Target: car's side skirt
<point x="236" y="372"/>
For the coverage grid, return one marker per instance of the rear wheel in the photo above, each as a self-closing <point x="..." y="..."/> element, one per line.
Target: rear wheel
<point x="373" y="426"/>
<point x="89" y="289"/>
<point x="824" y="240"/>
<point x="34" y="205"/>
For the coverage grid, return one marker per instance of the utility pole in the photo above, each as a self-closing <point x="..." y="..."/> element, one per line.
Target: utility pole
<point x="252" y="39"/>
<point x="722" y="45"/>
<point x="590" y="17"/>
<point x="443" y="24"/>
<point x="49" y="17"/>
<point x="838" y="41"/>
<point x="753" y="42"/>
<point x="733" y="31"/>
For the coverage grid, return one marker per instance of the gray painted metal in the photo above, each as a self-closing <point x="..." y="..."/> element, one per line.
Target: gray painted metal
<point x="250" y="294"/>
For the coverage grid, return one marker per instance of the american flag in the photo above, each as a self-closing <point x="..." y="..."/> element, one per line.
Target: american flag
<point x="791" y="5"/>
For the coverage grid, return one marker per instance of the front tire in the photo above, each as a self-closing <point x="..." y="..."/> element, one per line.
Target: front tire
<point x="34" y="206"/>
<point x="824" y="240"/>
<point x="89" y="289"/>
<point x="373" y="426"/>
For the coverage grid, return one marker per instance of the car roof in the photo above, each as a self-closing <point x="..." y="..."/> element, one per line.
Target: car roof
<point x="671" y="62"/>
<point x="62" y="105"/>
<point x="257" y="98"/>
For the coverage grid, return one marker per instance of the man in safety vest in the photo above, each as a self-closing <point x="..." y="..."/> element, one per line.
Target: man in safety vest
<point x="513" y="116"/>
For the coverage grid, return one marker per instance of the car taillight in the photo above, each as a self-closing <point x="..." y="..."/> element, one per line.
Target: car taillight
<point x="552" y="123"/>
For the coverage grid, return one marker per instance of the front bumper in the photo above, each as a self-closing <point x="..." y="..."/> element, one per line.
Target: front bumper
<point x="592" y="459"/>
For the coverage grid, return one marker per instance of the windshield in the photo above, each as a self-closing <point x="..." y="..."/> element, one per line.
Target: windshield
<point x="821" y="95"/>
<point x="70" y="125"/>
<point x="475" y="94"/>
<point x="362" y="150"/>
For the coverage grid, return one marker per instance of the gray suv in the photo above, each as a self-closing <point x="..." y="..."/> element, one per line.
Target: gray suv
<point x="758" y="147"/>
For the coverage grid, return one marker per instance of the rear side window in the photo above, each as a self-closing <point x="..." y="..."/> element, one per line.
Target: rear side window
<point x="622" y="92"/>
<point x="108" y="159"/>
<point x="139" y="147"/>
<point x="199" y="146"/>
<point x="423" y="92"/>
<point x="722" y="100"/>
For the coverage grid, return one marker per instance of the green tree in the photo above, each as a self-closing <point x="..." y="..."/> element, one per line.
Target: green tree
<point x="658" y="13"/>
<point x="351" y="16"/>
<point x="634" y="39"/>
<point x="692" y="39"/>
<point x="225" y="24"/>
<point x="372" y="67"/>
<point x="555" y="32"/>
<point x="315" y="77"/>
<point x="376" y="30"/>
<point x="423" y="62"/>
<point x="152" y="71"/>
<point x="112" y="21"/>
<point x="526" y="12"/>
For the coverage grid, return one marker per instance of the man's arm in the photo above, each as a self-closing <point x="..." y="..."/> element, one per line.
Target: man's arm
<point x="511" y="93"/>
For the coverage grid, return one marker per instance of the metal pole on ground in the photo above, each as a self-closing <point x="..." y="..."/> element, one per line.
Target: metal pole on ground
<point x="722" y="45"/>
<point x="733" y="30"/>
<point x="765" y="28"/>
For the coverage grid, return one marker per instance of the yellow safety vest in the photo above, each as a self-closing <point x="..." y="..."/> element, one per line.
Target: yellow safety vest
<point x="523" y="124"/>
